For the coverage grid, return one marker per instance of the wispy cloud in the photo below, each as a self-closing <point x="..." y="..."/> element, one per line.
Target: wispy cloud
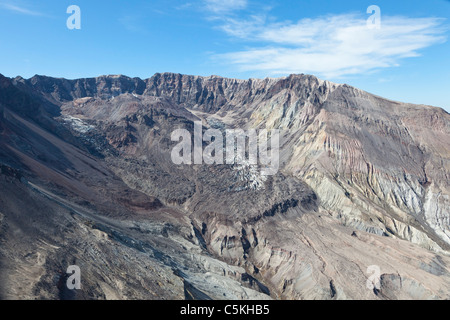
<point x="19" y="9"/>
<point x="330" y="46"/>
<point x="132" y="23"/>
<point x="184" y="6"/>
<point x="224" y="6"/>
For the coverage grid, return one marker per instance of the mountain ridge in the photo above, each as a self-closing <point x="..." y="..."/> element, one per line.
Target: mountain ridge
<point x="363" y="181"/>
<point x="204" y="78"/>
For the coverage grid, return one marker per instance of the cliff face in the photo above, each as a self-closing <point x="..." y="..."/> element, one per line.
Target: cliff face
<point x="362" y="181"/>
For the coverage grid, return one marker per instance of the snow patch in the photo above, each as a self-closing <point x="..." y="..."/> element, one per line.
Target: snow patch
<point x="77" y="124"/>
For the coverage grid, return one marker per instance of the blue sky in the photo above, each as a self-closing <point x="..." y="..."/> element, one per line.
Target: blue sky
<point x="406" y="59"/>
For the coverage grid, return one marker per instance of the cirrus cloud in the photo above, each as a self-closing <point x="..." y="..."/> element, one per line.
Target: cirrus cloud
<point x="19" y="9"/>
<point x="224" y="6"/>
<point x="331" y="46"/>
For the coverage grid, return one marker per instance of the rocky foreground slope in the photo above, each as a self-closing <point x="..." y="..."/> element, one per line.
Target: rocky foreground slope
<point x="86" y="178"/>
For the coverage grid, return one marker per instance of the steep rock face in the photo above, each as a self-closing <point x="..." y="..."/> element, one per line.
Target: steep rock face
<point x="356" y="141"/>
<point x="363" y="181"/>
<point x="60" y="90"/>
<point x="368" y="151"/>
<point x="61" y="205"/>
